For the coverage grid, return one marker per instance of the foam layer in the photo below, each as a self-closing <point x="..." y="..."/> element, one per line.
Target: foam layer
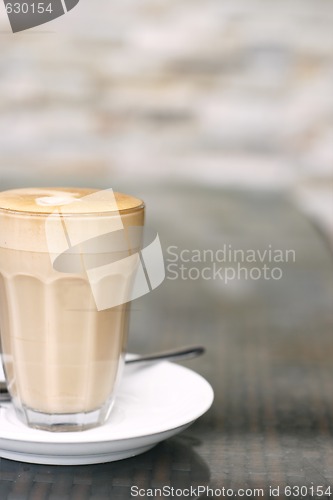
<point x="53" y="219"/>
<point x="67" y="200"/>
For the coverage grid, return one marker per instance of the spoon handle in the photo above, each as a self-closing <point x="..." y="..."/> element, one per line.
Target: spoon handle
<point x="177" y="355"/>
<point x="4" y="396"/>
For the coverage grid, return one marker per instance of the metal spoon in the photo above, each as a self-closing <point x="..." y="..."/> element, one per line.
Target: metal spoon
<point x="176" y="355"/>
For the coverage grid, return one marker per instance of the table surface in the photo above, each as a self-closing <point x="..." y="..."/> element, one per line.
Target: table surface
<point x="269" y="356"/>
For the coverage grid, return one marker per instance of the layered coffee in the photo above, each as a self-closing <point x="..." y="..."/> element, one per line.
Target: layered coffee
<point x="68" y="259"/>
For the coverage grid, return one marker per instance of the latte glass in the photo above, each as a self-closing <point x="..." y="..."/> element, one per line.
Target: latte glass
<point x="68" y="260"/>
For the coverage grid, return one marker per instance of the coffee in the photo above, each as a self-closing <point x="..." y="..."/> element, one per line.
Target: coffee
<point x="67" y="264"/>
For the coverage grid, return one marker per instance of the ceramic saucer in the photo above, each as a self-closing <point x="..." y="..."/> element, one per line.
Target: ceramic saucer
<point x="154" y="402"/>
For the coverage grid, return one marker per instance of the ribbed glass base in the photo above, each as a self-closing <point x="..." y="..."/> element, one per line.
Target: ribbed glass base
<point x="64" y="422"/>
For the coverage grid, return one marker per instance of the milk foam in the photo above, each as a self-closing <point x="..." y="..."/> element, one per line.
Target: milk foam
<point x="27" y="215"/>
<point x="55" y="201"/>
<point x="45" y="200"/>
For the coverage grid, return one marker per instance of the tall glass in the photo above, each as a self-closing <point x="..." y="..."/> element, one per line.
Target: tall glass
<point x="68" y="259"/>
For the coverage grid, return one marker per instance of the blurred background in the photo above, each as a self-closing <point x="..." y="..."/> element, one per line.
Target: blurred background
<point x="235" y="94"/>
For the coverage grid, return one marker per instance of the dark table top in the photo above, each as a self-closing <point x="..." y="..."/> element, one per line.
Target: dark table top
<point x="269" y="356"/>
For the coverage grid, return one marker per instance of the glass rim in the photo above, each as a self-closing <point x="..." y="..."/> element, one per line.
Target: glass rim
<point x="55" y="213"/>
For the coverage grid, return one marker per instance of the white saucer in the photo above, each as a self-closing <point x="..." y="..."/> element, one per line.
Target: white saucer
<point x="154" y="402"/>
